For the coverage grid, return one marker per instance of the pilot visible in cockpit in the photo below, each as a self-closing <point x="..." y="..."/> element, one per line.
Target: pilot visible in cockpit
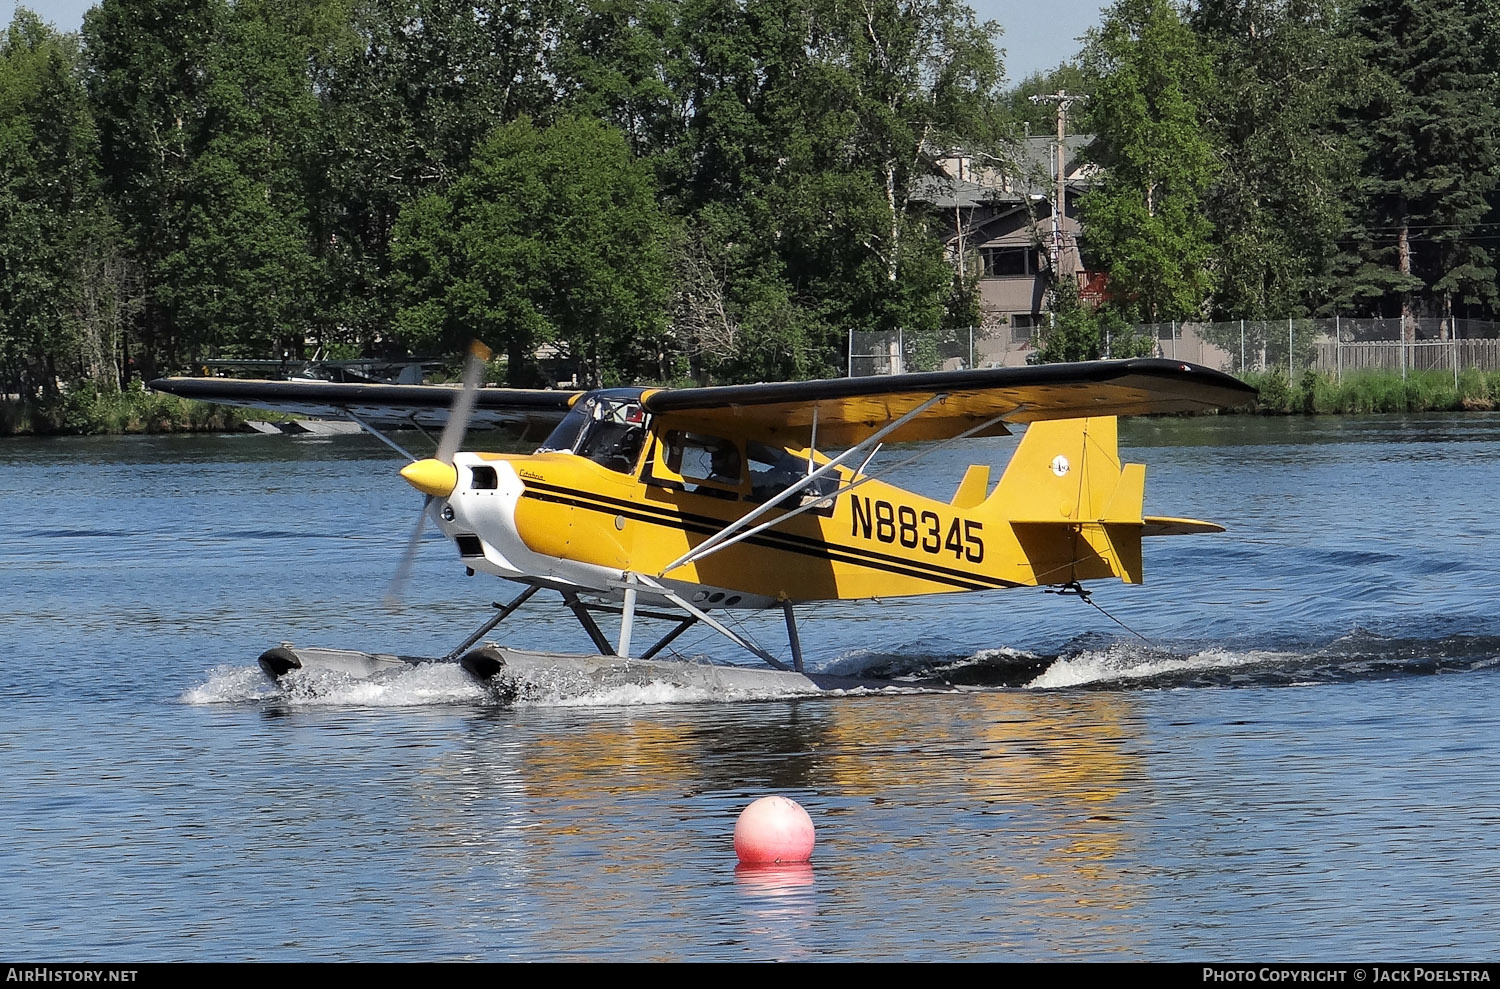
<point x="725" y="466"/>
<point x="723" y="470"/>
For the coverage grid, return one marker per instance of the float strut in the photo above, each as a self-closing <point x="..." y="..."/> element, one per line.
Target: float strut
<point x="791" y="635"/>
<point x="484" y="629"/>
<point x="581" y="612"/>
<point x="666" y="640"/>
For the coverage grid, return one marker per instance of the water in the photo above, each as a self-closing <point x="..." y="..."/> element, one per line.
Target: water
<point x="1289" y="753"/>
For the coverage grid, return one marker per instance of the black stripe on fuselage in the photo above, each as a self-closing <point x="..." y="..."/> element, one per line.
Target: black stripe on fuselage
<point x="787" y="542"/>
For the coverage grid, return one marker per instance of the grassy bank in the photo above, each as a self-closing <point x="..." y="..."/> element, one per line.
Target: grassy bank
<point x="86" y="410"/>
<point x="1312" y="393"/>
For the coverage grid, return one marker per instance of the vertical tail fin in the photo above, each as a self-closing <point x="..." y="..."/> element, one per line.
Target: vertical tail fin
<point x="1069" y="470"/>
<point x="1075" y="508"/>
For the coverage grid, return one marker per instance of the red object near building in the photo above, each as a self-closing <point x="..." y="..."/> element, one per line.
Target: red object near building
<point x="1093" y="286"/>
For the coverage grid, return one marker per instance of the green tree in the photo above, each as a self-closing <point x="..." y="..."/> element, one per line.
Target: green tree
<point x="207" y="115"/>
<point x="612" y="63"/>
<point x="1079" y="330"/>
<point x="408" y="89"/>
<point x="1146" y="222"/>
<point x="740" y="312"/>
<point x="240" y="282"/>
<point x="809" y="127"/>
<point x="148" y="72"/>
<point x="1426" y="131"/>
<point x="50" y="215"/>
<point x="897" y="85"/>
<point x="1279" y="204"/>
<point x="552" y="236"/>
<point x="736" y="313"/>
<point x="787" y="138"/>
<point x="1037" y="118"/>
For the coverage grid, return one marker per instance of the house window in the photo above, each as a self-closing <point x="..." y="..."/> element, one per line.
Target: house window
<point x="1008" y="262"/>
<point x="1022" y="326"/>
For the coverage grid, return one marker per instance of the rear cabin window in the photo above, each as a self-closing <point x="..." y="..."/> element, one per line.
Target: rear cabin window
<point x="772" y="471"/>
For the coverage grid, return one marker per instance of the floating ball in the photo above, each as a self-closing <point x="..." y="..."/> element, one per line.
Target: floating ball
<point x="773" y="829"/>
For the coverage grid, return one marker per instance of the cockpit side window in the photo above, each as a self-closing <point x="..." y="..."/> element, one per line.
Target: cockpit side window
<point x="709" y="465"/>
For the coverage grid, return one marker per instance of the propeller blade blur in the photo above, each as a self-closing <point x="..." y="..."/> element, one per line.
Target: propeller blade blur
<point x="436" y="477"/>
<point x="396" y="590"/>
<point x="463" y="405"/>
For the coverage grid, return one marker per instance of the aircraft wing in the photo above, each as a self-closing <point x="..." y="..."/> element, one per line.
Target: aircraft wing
<point x="378" y="405"/>
<point x="850" y="409"/>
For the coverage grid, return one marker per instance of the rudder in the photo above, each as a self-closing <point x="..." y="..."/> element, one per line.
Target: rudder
<point x="1075" y="508"/>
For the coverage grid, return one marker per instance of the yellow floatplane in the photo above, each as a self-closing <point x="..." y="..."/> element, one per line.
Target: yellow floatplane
<point x="674" y="504"/>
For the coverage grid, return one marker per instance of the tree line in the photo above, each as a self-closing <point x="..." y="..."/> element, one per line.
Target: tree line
<point x="709" y="189"/>
<point x="649" y="189"/>
<point x="1273" y="159"/>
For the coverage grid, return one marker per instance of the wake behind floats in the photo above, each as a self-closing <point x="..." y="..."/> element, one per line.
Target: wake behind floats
<point x="672" y="504"/>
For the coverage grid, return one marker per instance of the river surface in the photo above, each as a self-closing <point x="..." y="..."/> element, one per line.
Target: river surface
<point x="1282" y="746"/>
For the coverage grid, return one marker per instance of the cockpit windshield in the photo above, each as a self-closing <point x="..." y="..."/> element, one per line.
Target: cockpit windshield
<point x="609" y="431"/>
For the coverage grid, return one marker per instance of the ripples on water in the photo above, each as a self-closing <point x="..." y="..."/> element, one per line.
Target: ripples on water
<point x="1290" y="752"/>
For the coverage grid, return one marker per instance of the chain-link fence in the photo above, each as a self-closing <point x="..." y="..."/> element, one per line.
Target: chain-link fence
<point x="876" y="352"/>
<point x="1333" y="347"/>
<point x="897" y="352"/>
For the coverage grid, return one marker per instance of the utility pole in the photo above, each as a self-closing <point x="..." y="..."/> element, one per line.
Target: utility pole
<point x="1063" y="99"/>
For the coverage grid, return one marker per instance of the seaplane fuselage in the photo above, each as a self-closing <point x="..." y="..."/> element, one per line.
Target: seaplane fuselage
<point x="641" y="497"/>
<point x="756" y="496"/>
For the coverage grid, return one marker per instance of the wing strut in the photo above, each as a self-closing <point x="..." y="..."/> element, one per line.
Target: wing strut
<point x="379" y="435"/>
<point x="812" y="444"/>
<point x="735" y="531"/>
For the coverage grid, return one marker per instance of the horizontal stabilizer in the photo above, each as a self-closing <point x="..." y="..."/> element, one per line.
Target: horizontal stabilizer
<point x="974" y="488"/>
<point x="1158" y="525"/>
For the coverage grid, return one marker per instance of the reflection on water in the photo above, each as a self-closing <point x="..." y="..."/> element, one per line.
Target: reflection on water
<point x="1292" y="753"/>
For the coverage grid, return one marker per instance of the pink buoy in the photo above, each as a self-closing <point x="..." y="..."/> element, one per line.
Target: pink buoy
<point x="773" y="829"/>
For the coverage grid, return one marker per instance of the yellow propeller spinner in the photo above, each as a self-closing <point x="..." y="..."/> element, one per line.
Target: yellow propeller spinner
<point x="436" y="476"/>
<point x="431" y="477"/>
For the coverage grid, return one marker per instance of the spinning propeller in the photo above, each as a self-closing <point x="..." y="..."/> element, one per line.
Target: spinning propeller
<point x="436" y="477"/>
